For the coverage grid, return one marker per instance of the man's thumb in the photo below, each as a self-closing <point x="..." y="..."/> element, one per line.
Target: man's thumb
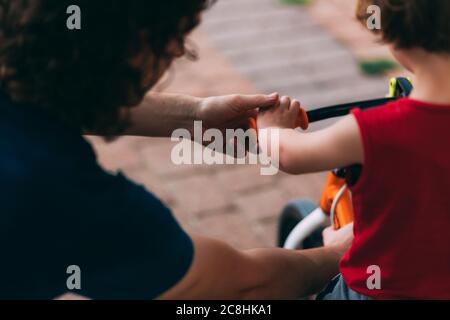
<point x="259" y="101"/>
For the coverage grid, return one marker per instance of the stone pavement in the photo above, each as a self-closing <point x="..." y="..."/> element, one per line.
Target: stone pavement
<point x="282" y="48"/>
<point x="348" y="30"/>
<point x="246" y="46"/>
<point x="338" y="18"/>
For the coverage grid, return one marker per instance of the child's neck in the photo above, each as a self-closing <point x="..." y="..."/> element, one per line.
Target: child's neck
<point x="432" y="80"/>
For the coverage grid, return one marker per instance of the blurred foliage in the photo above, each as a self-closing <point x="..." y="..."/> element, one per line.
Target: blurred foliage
<point x="298" y="2"/>
<point x="377" y="67"/>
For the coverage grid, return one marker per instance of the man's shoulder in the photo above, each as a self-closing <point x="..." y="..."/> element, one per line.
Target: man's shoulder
<point x="36" y="154"/>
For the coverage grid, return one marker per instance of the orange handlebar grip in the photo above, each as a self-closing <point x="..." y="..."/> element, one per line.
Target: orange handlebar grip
<point x="303" y="119"/>
<point x="344" y="211"/>
<point x="332" y="187"/>
<point x="344" y="208"/>
<point x="252" y="124"/>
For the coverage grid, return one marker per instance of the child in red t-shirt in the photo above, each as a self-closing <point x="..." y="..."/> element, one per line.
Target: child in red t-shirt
<point x="402" y="197"/>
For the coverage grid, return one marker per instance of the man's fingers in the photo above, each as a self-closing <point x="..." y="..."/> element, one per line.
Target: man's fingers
<point x="249" y="102"/>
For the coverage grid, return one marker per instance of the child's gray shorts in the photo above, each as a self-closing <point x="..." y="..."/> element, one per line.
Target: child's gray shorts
<point x="337" y="289"/>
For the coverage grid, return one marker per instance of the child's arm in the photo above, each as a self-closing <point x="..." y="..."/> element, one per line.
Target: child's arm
<point x="335" y="147"/>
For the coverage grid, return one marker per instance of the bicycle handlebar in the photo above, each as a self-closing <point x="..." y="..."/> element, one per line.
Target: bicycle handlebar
<point x="344" y="109"/>
<point x="399" y="87"/>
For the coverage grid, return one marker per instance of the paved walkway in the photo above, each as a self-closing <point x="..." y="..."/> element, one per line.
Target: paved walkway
<point x="245" y="46"/>
<point x="282" y="48"/>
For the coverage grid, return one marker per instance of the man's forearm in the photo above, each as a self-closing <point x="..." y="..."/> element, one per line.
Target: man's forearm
<point x="160" y="114"/>
<point x="295" y="274"/>
<point x="219" y="271"/>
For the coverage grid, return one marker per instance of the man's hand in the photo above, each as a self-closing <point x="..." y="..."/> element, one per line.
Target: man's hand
<point x="284" y="115"/>
<point x="160" y="114"/>
<point x="233" y="111"/>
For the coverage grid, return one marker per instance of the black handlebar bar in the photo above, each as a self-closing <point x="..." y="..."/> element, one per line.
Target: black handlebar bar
<point x="402" y="87"/>
<point x="344" y="109"/>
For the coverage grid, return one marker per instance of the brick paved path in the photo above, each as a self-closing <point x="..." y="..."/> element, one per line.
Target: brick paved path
<point x="281" y="48"/>
<point x="245" y="46"/>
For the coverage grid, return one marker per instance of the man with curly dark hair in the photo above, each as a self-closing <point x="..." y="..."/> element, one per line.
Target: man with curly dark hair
<point x="59" y="208"/>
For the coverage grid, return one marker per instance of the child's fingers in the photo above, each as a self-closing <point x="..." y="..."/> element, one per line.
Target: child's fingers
<point x="285" y="103"/>
<point x="295" y="106"/>
<point x="301" y="115"/>
<point x="297" y="112"/>
<point x="294" y="109"/>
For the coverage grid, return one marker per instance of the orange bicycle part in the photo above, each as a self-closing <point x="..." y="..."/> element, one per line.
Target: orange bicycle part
<point x="344" y="208"/>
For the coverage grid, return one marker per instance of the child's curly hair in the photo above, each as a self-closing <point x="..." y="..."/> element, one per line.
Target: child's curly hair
<point x="85" y="76"/>
<point x="411" y="24"/>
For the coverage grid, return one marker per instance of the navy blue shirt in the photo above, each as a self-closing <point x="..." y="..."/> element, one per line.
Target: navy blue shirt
<point x="59" y="208"/>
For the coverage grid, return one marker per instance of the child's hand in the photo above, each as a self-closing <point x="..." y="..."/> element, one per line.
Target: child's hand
<point x="283" y="115"/>
<point x="341" y="239"/>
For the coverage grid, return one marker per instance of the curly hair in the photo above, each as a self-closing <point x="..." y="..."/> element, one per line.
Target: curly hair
<point x="411" y="24"/>
<point x="85" y="76"/>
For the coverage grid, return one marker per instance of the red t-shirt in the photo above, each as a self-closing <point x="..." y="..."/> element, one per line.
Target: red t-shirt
<point x="402" y="202"/>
